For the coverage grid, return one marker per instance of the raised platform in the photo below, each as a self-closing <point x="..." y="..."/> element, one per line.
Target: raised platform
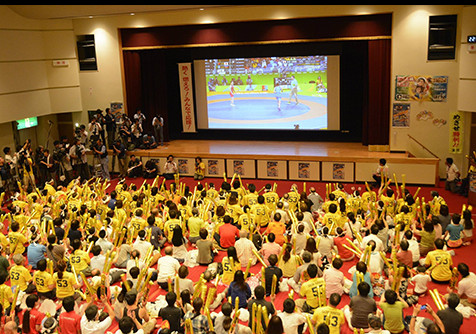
<point x="313" y="161"/>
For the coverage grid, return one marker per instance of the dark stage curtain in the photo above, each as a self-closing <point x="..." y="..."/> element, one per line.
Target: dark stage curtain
<point x="146" y="69"/>
<point x="376" y="116"/>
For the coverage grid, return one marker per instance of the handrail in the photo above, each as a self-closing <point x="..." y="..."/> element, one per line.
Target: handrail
<point x="423" y="146"/>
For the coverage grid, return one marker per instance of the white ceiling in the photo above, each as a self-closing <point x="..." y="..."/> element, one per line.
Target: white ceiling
<point x="78" y="11"/>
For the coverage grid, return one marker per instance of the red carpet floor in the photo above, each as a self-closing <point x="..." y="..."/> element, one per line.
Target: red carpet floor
<point x="455" y="203"/>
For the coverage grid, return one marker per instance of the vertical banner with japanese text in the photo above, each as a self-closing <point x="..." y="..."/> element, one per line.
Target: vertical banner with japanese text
<point x="186" y="96"/>
<point x="456" y="132"/>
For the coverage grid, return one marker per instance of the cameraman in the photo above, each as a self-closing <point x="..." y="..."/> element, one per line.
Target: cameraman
<point x="79" y="161"/>
<point x="120" y="151"/>
<point x="62" y="162"/>
<point x="100" y="152"/>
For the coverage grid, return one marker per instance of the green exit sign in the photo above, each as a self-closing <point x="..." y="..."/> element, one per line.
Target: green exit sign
<point x="27" y="123"/>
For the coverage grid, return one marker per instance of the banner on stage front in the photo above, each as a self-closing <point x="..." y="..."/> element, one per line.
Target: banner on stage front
<point x="186" y="97"/>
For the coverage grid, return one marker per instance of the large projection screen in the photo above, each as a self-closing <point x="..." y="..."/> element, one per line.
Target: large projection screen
<point x="268" y="93"/>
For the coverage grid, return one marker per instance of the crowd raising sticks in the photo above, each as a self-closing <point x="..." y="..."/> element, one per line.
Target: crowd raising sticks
<point x="92" y="255"/>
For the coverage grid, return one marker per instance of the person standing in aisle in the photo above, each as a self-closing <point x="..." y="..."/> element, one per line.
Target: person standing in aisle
<point x="158" y="126"/>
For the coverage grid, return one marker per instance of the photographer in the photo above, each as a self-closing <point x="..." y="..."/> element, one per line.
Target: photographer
<point x="62" y="162"/>
<point x="25" y="165"/>
<point x="100" y="152"/>
<point x="79" y="160"/>
<point x="120" y="152"/>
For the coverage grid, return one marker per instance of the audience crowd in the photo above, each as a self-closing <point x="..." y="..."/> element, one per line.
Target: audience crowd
<point x="80" y="253"/>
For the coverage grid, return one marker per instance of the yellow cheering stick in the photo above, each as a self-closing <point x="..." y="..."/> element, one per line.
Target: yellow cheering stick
<point x="188" y="326"/>
<point x="360" y="277"/>
<point x="247" y="271"/>
<point x="385" y="259"/>
<point x="88" y="286"/>
<point x="146" y="282"/>
<point x="263" y="278"/>
<point x="353" y="250"/>
<point x="253" y="313"/>
<point x="14" y="302"/>
<point x="234" y="322"/>
<point x="435" y="295"/>
<point x="177" y="285"/>
<point x="169" y="285"/>
<point x="309" y="324"/>
<point x="258" y="256"/>
<point x="273" y="285"/>
<point x="210" y="294"/>
<point x="209" y="319"/>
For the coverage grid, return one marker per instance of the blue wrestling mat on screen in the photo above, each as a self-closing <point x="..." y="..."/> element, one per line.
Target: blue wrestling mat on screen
<point x="260" y="111"/>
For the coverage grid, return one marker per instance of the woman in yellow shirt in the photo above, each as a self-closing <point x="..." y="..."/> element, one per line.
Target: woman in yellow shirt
<point x="80" y="259"/>
<point x="6" y="294"/>
<point x="230" y="264"/>
<point x="288" y="262"/>
<point x="64" y="281"/>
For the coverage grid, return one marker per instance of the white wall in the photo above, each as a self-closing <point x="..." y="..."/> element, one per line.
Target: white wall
<point x="29" y="83"/>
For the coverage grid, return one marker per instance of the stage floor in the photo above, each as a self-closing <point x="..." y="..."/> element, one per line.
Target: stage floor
<point x="321" y="151"/>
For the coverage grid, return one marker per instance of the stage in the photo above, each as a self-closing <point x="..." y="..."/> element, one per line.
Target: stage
<point x="280" y="160"/>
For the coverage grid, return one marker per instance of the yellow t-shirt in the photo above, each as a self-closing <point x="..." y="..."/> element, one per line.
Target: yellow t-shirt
<point x="65" y="285"/>
<point x="330" y="315"/>
<point x="314" y="291"/>
<point x="15" y="237"/>
<point x="293" y="200"/>
<point x="169" y="228"/>
<point x="289" y="267"/>
<point x="194" y="226"/>
<point x="271" y="199"/>
<point x="79" y="260"/>
<point x="138" y="223"/>
<point x="42" y="280"/>
<point x="261" y="213"/>
<point x="4" y="241"/>
<point x="20" y="276"/>
<point x="246" y="222"/>
<point x="441" y="262"/>
<point x="331" y="218"/>
<point x="229" y="271"/>
<point x="6" y="295"/>
<point x="235" y="211"/>
<point x="250" y="199"/>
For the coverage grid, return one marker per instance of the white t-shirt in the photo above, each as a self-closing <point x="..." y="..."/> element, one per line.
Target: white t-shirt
<point x="291" y="322"/>
<point x="167" y="266"/>
<point x="414" y="247"/>
<point x="378" y="242"/>
<point x="421" y="281"/>
<point x="467" y="286"/>
<point x="451" y="172"/>
<point x="94" y="327"/>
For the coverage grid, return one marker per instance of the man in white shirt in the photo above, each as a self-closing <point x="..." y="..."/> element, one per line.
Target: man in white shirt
<point x="102" y="242"/>
<point x="167" y="266"/>
<point x="413" y="246"/>
<point x="316" y="199"/>
<point x="244" y="249"/>
<point x="466" y="288"/>
<point x="90" y="323"/>
<point x="170" y="168"/>
<point x="374" y="229"/>
<point x="452" y="174"/>
<point x="142" y="245"/>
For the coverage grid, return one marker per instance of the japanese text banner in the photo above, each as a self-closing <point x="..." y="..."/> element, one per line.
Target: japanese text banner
<point x="186" y="97"/>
